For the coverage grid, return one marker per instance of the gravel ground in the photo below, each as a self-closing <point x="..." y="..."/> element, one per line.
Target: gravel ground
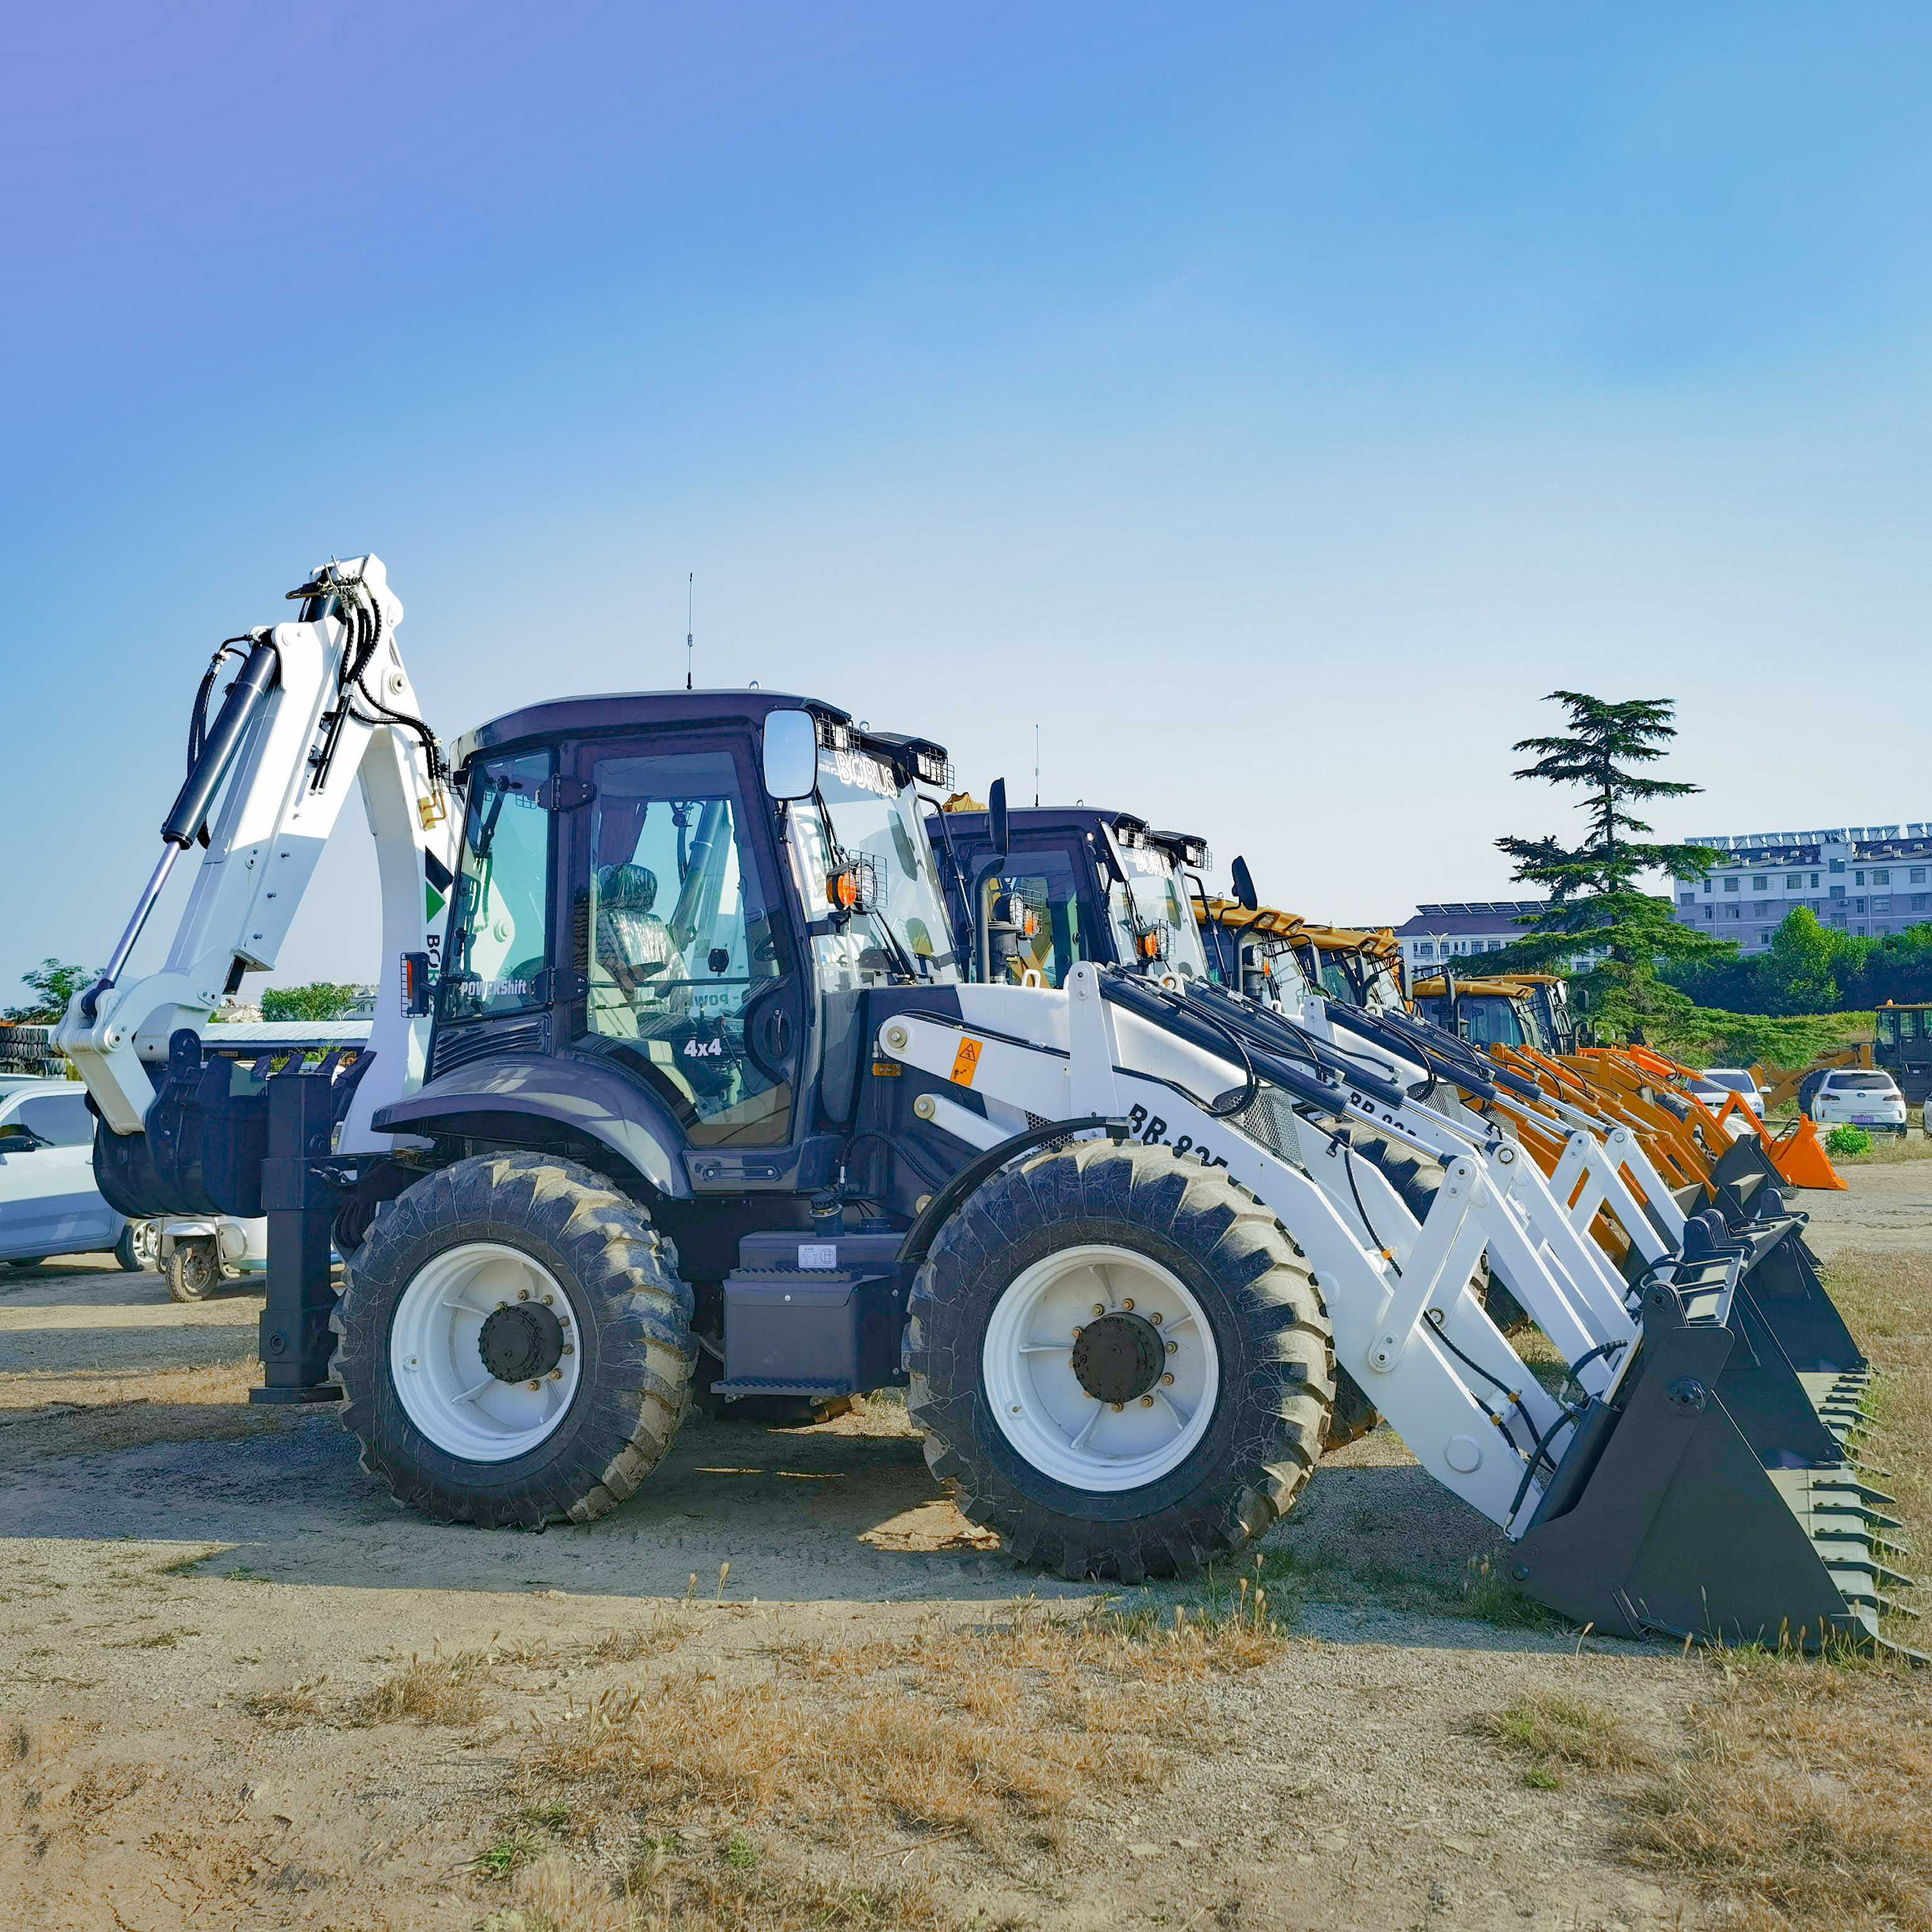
<point x="158" y="1578"/>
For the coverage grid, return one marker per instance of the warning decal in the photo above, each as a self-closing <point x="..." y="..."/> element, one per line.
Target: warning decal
<point x="966" y="1062"/>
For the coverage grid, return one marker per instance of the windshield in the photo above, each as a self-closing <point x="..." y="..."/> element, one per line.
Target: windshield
<point x="1863" y="1083"/>
<point x="1489" y="1020"/>
<point x="1383" y="993"/>
<point x="1149" y="897"/>
<point x="1280" y="970"/>
<point x="863" y="814"/>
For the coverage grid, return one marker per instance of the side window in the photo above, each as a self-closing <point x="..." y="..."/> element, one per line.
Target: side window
<point x="61" y="1118"/>
<point x="678" y="945"/>
<point x="499" y="929"/>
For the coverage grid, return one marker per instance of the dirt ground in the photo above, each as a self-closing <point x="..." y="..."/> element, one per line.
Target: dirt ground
<point x="789" y="1685"/>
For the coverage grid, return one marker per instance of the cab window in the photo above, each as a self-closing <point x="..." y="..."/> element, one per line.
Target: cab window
<point x="676" y="942"/>
<point x="1046" y="883"/>
<point x="499" y="942"/>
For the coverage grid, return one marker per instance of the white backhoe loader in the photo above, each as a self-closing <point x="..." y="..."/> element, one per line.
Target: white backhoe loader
<point x="703" y="1076"/>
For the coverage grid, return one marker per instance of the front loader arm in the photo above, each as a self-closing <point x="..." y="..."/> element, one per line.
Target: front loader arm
<point x="316" y="707"/>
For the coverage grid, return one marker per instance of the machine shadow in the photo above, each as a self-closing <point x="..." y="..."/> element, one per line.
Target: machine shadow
<point x="841" y="1513"/>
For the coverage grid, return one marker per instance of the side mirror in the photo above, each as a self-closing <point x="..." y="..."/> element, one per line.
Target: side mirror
<point x="1245" y="894"/>
<point x="999" y="826"/>
<point x="790" y="754"/>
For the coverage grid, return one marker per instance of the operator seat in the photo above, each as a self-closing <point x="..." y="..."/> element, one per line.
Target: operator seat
<point x="635" y="947"/>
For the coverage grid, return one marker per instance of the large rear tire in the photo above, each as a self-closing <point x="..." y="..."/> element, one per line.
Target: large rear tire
<point x="514" y="1344"/>
<point x="1184" y="1416"/>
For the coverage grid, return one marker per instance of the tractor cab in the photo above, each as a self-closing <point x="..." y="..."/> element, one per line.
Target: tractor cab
<point x="671" y="913"/>
<point x="1070" y="883"/>
<point x="1902" y="1044"/>
<point x="1485" y="1012"/>
<point x="1354" y="968"/>
<point x="1253" y="950"/>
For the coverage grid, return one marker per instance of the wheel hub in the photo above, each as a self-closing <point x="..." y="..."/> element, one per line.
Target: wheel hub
<point x="1119" y="1357"/>
<point x="521" y="1342"/>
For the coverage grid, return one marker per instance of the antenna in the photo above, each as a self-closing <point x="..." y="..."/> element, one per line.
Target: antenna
<point x="690" y="603"/>
<point x="1035" y="766"/>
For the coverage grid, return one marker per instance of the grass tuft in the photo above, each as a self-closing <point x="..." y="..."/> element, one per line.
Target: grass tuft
<point x="1556" y="1733"/>
<point x="435" y="1689"/>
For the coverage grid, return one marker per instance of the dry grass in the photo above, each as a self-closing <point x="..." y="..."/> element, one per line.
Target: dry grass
<point x="715" y="1896"/>
<point x="1887" y="1300"/>
<point x="658" y="1638"/>
<point x="1808" y="1799"/>
<point x="775" y="1801"/>
<point x="1553" y="1734"/>
<point x="435" y="1689"/>
<point x="284" y="1709"/>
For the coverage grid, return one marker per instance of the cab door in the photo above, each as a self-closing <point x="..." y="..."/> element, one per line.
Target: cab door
<point x="686" y="968"/>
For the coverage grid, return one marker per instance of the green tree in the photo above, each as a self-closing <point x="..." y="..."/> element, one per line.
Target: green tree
<point x="320" y="1000"/>
<point x="1596" y="905"/>
<point x="53" y="984"/>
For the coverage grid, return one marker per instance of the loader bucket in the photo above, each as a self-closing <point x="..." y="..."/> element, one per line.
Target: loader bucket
<point x="1798" y="1154"/>
<point x="1707" y="1496"/>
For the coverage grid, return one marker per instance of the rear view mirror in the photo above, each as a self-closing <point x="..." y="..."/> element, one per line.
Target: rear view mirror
<point x="999" y="826"/>
<point x="1245" y="894"/>
<point x="790" y="754"/>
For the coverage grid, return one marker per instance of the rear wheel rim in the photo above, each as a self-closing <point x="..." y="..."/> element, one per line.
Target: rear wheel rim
<point x="436" y="1354"/>
<point x="1037" y="1395"/>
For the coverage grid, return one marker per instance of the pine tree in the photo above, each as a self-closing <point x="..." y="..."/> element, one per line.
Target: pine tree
<point x="1596" y="905"/>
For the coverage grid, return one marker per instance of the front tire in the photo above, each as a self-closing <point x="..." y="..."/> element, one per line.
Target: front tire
<point x="514" y="1344"/>
<point x="1210" y="1353"/>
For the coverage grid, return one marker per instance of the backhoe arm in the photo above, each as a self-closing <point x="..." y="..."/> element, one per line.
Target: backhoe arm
<point x="312" y="708"/>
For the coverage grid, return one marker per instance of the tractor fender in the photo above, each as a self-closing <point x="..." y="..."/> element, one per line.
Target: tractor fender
<point x="598" y="1103"/>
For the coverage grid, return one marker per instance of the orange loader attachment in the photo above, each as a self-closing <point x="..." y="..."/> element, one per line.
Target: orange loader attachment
<point x="1798" y="1153"/>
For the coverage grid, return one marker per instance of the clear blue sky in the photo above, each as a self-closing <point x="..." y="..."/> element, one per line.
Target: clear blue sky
<point x="1272" y="401"/>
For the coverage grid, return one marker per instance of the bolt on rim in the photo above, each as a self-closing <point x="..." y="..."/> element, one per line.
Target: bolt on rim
<point x="483" y="1351"/>
<point x="1130" y="1405"/>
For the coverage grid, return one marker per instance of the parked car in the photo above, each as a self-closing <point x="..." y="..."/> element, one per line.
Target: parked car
<point x="1864" y="1097"/>
<point x="1736" y="1080"/>
<point x="199" y="1252"/>
<point x="49" y="1202"/>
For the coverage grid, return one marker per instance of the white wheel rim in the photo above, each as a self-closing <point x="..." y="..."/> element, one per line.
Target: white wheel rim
<point x="437" y="1363"/>
<point x="1042" y="1410"/>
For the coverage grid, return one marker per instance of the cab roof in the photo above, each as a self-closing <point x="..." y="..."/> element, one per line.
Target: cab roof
<point x="968" y="820"/>
<point x="596" y="714"/>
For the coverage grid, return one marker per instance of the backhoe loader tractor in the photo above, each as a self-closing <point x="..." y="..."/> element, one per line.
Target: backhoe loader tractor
<point x="1051" y="886"/>
<point x="701" y="1073"/>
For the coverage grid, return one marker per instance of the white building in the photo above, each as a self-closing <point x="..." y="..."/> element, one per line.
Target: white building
<point x="1865" y="879"/>
<point x="1452" y="933"/>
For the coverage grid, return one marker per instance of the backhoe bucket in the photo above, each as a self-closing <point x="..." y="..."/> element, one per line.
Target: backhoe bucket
<point x="1707" y="1496"/>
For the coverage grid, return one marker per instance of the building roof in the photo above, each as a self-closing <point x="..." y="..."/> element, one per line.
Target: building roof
<point x="1461" y="919"/>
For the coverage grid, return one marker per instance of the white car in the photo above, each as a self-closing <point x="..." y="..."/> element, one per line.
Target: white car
<point x="1736" y="1080"/>
<point x="1863" y="1098"/>
<point x="49" y="1202"/>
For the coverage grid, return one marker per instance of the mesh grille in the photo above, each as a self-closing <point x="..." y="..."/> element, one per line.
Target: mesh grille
<point x="1269" y="1119"/>
<point x="457" y="1048"/>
